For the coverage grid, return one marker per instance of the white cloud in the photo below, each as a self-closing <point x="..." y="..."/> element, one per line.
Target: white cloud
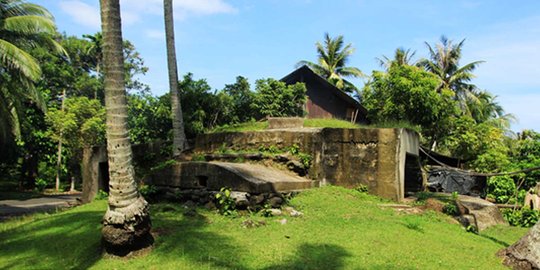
<point x="88" y="15"/>
<point x="182" y="8"/>
<point x="155" y="34"/>
<point x="82" y="13"/>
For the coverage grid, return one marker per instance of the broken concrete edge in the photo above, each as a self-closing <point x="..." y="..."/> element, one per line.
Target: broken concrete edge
<point x="207" y="198"/>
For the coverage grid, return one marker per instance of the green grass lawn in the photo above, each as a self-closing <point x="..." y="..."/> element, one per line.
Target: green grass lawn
<point x="340" y="229"/>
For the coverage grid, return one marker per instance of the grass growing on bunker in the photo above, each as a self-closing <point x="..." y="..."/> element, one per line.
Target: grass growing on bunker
<point x="340" y="229"/>
<point x="313" y="123"/>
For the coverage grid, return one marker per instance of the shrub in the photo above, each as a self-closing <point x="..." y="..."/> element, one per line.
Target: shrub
<point x="524" y="217"/>
<point x="101" y="195"/>
<point x="225" y="203"/>
<point x="502" y="188"/>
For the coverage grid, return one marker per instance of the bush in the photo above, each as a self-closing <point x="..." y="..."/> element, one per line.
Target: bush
<point x="225" y="203"/>
<point x="524" y="217"/>
<point x="502" y="188"/>
<point x="101" y="195"/>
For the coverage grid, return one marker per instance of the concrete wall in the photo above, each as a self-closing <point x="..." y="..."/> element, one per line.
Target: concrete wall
<point x="93" y="179"/>
<point x="345" y="157"/>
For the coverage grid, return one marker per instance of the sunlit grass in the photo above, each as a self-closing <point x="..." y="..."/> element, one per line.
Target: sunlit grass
<point x="340" y="229"/>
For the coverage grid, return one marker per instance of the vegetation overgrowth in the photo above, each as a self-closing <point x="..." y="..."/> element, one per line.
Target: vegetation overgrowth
<point x="340" y="228"/>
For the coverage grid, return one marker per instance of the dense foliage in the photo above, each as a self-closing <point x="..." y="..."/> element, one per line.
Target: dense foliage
<point x="407" y="93"/>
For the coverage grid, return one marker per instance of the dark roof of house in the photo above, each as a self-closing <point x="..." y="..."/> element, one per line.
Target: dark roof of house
<point x="303" y="72"/>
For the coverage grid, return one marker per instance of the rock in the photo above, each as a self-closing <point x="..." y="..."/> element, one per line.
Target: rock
<point x="292" y="212"/>
<point x="287" y="210"/>
<point x="282" y="158"/>
<point x="485" y="214"/>
<point x="275" y="212"/>
<point x="275" y="201"/>
<point x="249" y="223"/>
<point x="253" y="156"/>
<point x="297" y="167"/>
<point x="283" y="221"/>
<point x="295" y="213"/>
<point x="466" y="220"/>
<point x="256" y="199"/>
<point x="241" y="199"/>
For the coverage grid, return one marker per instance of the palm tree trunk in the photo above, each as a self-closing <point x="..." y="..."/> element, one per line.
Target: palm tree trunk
<point x="179" y="136"/>
<point x="525" y="253"/>
<point x="126" y="224"/>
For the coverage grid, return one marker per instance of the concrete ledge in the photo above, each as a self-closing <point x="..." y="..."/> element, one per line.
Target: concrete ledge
<point x="285" y="122"/>
<point x="239" y="177"/>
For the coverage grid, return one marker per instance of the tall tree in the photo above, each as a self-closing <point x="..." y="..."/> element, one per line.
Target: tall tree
<point x="402" y="57"/>
<point x="22" y="26"/>
<point x="179" y="135"/>
<point x="126" y="224"/>
<point x="333" y="56"/>
<point x="444" y="62"/>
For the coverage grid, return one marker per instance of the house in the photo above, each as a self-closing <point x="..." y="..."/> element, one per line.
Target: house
<point x="324" y="99"/>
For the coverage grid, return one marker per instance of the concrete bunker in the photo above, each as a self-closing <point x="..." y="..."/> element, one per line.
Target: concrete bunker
<point x="385" y="160"/>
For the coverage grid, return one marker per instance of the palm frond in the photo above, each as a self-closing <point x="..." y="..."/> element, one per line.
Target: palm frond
<point x="13" y="57"/>
<point x="29" y="24"/>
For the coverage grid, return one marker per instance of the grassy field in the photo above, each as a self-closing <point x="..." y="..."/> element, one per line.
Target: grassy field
<point x="340" y="229"/>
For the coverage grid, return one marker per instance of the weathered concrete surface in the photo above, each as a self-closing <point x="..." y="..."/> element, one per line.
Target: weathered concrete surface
<point x="345" y="157"/>
<point x="240" y="177"/>
<point x="486" y="214"/>
<point x="285" y="122"/>
<point x="94" y="171"/>
<point x="11" y="208"/>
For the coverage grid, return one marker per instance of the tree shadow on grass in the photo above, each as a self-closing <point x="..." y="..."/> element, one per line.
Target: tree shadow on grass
<point x="495" y="240"/>
<point x="188" y="238"/>
<point x="70" y="240"/>
<point x="319" y="256"/>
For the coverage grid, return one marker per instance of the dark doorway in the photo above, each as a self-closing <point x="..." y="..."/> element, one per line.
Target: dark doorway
<point x="413" y="175"/>
<point x="103" y="177"/>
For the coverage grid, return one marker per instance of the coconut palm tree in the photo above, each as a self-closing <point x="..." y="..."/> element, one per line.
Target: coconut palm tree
<point x="22" y="26"/>
<point x="444" y="62"/>
<point x="402" y="57"/>
<point x="126" y="224"/>
<point x="179" y="135"/>
<point x="525" y="253"/>
<point x="333" y="57"/>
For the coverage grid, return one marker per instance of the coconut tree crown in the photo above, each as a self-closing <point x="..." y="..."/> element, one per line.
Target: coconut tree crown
<point x="333" y="56"/>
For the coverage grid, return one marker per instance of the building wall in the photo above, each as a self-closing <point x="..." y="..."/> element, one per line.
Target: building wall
<point x="323" y="103"/>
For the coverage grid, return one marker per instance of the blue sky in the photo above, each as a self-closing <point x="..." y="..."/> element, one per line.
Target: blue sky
<point x="221" y="39"/>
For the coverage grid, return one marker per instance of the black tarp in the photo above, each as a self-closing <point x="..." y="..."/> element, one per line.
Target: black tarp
<point x="449" y="180"/>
